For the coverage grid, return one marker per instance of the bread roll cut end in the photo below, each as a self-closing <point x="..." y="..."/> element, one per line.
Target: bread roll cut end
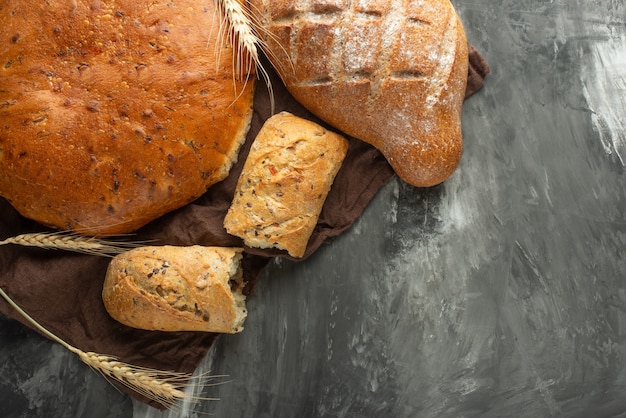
<point x="172" y="288"/>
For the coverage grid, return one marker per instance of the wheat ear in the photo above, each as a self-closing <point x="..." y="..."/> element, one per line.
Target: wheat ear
<point x="261" y="32"/>
<point x="166" y="388"/>
<point x="71" y="242"/>
<point x="244" y="39"/>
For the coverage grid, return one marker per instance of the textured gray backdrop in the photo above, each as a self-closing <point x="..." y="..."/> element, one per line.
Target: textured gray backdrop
<point x="500" y="293"/>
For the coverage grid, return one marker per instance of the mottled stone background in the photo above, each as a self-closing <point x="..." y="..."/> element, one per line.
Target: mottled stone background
<point x="500" y="293"/>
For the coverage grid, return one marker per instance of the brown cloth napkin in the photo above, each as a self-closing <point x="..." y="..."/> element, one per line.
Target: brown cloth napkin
<point x="62" y="290"/>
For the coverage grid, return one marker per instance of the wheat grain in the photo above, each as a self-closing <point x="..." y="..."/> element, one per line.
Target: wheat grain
<point x="241" y="31"/>
<point x="166" y="388"/>
<point x="241" y="36"/>
<point x="261" y="32"/>
<point x="71" y="242"/>
<point x="150" y="383"/>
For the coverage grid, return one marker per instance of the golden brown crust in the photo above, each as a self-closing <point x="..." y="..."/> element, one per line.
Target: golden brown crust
<point x="112" y="114"/>
<point x="284" y="183"/>
<point x="392" y="74"/>
<point x="177" y="289"/>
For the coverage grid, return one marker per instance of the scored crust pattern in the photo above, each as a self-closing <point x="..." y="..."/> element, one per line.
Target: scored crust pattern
<point x="390" y="73"/>
<point x="363" y="43"/>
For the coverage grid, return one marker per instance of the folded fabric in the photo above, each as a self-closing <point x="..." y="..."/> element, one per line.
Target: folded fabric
<point x="62" y="290"/>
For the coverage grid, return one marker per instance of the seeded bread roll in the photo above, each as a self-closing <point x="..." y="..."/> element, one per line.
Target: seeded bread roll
<point x="115" y="113"/>
<point x="390" y="73"/>
<point x="177" y="289"/>
<point x="284" y="183"/>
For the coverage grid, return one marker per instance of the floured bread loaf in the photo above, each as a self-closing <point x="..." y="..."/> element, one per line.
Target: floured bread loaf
<point x="284" y="183"/>
<point x="391" y="73"/>
<point x="114" y="113"/>
<point x="177" y="289"/>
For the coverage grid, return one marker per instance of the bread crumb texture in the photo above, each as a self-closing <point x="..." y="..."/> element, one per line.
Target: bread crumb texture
<point x="114" y="113"/>
<point x="284" y="183"/>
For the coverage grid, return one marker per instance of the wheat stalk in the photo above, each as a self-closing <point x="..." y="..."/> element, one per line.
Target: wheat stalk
<point x="242" y="34"/>
<point x="256" y="18"/>
<point x="166" y="388"/>
<point x="70" y="242"/>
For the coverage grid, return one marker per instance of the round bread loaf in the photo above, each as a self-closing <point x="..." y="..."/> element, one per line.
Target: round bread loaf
<point x="115" y="113"/>
<point x="390" y="73"/>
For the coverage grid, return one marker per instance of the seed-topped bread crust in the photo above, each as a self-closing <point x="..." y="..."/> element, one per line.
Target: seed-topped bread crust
<point x="112" y="114"/>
